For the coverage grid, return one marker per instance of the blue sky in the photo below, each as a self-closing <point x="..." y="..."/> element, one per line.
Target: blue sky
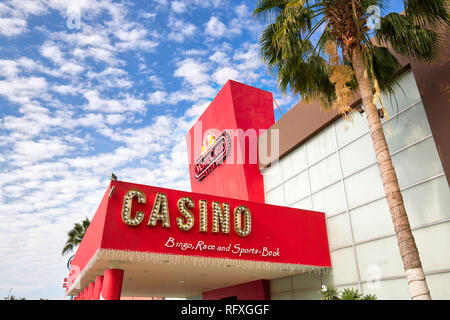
<point x="91" y="87"/>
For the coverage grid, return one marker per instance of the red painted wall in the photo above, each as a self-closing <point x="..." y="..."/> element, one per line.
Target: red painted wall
<point x="255" y="290"/>
<point x="236" y="106"/>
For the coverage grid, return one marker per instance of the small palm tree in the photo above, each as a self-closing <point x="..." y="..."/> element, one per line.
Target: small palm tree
<point x="329" y="293"/>
<point x="75" y="236"/>
<point x="344" y="61"/>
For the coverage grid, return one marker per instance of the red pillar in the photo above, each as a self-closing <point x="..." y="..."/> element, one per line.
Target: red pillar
<point x="112" y="284"/>
<point x="90" y="293"/>
<point x="98" y="287"/>
<point x="83" y="294"/>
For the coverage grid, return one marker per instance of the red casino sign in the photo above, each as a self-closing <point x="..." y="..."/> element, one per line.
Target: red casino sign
<point x="214" y="156"/>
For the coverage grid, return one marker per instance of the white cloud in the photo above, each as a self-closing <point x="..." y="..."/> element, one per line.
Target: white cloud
<point x="215" y="28"/>
<point x="34" y="7"/>
<point x="133" y="36"/>
<point x="148" y="15"/>
<point x="249" y="57"/>
<point x="222" y="75"/>
<point x="111" y="77"/>
<point x="192" y="71"/>
<point x="156" y="81"/>
<point x="8" y="68"/>
<point x="128" y="103"/>
<point x="220" y="57"/>
<point x="178" y="6"/>
<point x="29" y="151"/>
<point x="12" y="26"/>
<point x="114" y="119"/>
<point x="180" y="29"/>
<point x="52" y="52"/>
<point x="197" y="109"/>
<point x="23" y="89"/>
<point x="71" y="68"/>
<point x="157" y="97"/>
<point x="91" y="120"/>
<point x="242" y="11"/>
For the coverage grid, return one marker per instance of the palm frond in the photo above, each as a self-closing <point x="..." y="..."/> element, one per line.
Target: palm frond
<point x="407" y="38"/>
<point x="267" y="10"/>
<point x="67" y="248"/>
<point x="428" y="12"/>
<point x="385" y="68"/>
<point x="75" y="235"/>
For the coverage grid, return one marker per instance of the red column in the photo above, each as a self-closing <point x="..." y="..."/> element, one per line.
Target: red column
<point x="112" y="284"/>
<point x="83" y="294"/>
<point x="98" y="287"/>
<point x="90" y="293"/>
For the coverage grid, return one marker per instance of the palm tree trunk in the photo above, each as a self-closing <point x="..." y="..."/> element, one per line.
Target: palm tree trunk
<point x="407" y="245"/>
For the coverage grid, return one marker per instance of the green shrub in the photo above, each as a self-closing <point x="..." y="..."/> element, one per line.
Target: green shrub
<point x="329" y="293"/>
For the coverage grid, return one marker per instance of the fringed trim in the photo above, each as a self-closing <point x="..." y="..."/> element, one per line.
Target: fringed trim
<point x="117" y="258"/>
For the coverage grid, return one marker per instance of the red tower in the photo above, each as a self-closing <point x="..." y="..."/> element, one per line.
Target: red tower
<point x="223" y="143"/>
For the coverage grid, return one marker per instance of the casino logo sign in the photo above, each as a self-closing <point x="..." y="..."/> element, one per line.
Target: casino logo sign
<point x="214" y="152"/>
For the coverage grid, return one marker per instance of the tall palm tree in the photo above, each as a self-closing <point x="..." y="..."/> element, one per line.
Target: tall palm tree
<point x="348" y="58"/>
<point x="75" y="236"/>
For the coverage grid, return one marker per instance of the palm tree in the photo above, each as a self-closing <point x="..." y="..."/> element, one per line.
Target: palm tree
<point x="350" y="58"/>
<point x="75" y="235"/>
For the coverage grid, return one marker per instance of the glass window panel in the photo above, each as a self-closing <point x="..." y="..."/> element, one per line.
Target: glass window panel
<point x="339" y="233"/>
<point x="364" y="186"/>
<point x="380" y="256"/>
<point x="303" y="204"/>
<point x="343" y="269"/>
<point x="438" y="285"/>
<point x="330" y="200"/>
<point x="324" y="173"/>
<point x="282" y="296"/>
<point x="321" y="145"/>
<point x="296" y="188"/>
<point x="294" y="162"/>
<point x="307" y="281"/>
<point x="403" y="96"/>
<point x="275" y="196"/>
<point x="417" y="163"/>
<point x="364" y="219"/>
<point x="407" y="128"/>
<point x="396" y="289"/>
<point x="433" y="243"/>
<point x="281" y="285"/>
<point x="349" y="130"/>
<point x="308" y="294"/>
<point x="357" y="155"/>
<point x="272" y="176"/>
<point x="427" y="202"/>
